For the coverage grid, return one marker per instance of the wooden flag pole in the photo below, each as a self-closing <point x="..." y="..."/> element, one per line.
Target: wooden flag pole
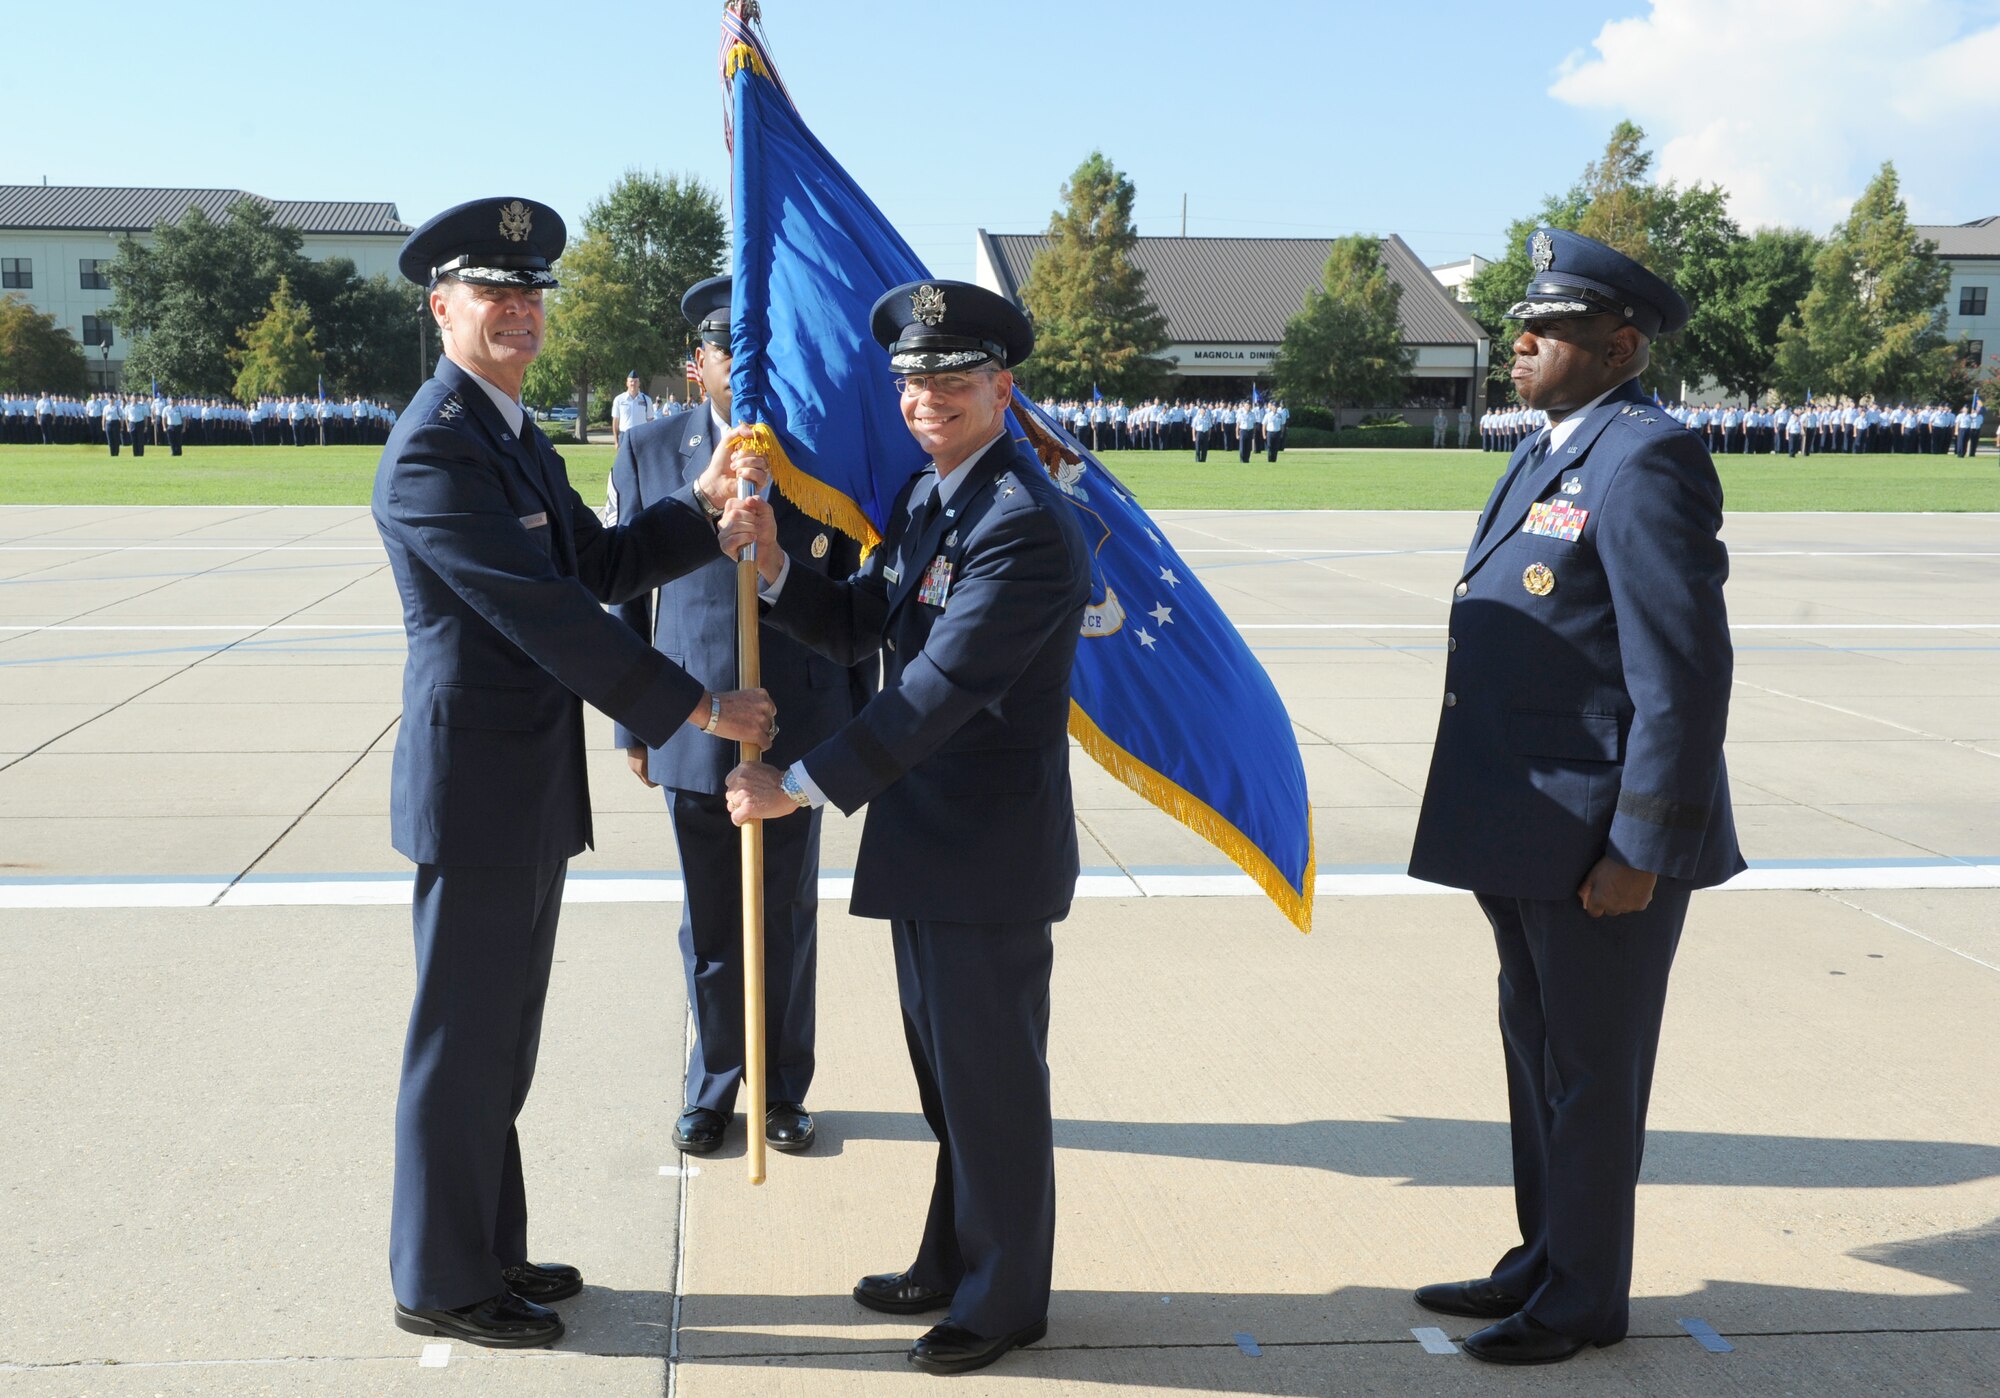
<point x="750" y="670"/>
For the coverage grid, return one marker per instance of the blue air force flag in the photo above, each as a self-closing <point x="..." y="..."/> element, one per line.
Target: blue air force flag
<point x="1165" y="694"/>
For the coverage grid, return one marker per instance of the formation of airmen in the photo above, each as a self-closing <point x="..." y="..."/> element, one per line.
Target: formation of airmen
<point x="1844" y="426"/>
<point x="140" y="420"/>
<point x="1159" y="424"/>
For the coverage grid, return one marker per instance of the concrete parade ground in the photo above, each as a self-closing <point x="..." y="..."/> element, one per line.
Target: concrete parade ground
<point x="1264" y="1141"/>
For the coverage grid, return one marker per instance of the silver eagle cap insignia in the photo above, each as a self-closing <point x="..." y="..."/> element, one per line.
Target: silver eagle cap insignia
<point x="517" y="221"/>
<point x="1543" y="250"/>
<point x="927" y="304"/>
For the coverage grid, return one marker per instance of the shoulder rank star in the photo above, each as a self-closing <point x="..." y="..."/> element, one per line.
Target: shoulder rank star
<point x="449" y="410"/>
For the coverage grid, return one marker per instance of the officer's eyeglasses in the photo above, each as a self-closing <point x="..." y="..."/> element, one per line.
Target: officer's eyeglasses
<point x="944" y="385"/>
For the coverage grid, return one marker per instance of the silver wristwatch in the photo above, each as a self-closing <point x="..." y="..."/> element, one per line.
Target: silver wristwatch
<point x="714" y="713"/>
<point x="794" y="788"/>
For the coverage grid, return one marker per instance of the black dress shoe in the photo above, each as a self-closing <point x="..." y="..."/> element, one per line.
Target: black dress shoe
<point x="499" y="1322"/>
<point x="542" y="1282"/>
<point x="895" y="1294"/>
<point x="788" y="1126"/>
<point x="1521" y="1339"/>
<point x="952" y="1349"/>
<point x="1474" y="1298"/>
<point x="699" y="1131"/>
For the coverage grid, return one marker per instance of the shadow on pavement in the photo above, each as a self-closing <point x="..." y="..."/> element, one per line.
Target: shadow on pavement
<point x="1441" y="1152"/>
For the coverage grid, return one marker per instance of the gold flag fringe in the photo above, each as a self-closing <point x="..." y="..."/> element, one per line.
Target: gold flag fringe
<point x="741" y="56"/>
<point x="814" y="497"/>
<point x="1190" y="810"/>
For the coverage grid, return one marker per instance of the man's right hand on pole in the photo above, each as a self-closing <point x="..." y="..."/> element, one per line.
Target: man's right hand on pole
<point x="748" y="716"/>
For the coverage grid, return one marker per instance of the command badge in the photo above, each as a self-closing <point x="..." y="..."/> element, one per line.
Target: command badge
<point x="927" y="304"/>
<point x="1539" y="580"/>
<point x="820" y="545"/>
<point x="517" y="221"/>
<point x="1573" y="486"/>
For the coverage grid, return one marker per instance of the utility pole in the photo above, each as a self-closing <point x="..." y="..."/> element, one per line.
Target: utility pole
<point x="1184" y="215"/>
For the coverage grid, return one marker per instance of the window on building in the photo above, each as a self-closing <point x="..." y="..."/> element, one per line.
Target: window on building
<point x="103" y="378"/>
<point x="1975" y="351"/>
<point x="97" y="331"/>
<point x="1972" y="300"/>
<point x="91" y="275"/>
<point x="17" y="273"/>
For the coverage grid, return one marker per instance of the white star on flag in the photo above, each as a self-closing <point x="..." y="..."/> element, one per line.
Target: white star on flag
<point x="1167" y="577"/>
<point x="1151" y="535"/>
<point x="1162" y="613"/>
<point x="1146" y="638"/>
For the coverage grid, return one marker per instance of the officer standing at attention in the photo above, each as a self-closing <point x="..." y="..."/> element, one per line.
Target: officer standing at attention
<point x="975" y="598"/>
<point x="630" y="408"/>
<point x="1578" y="776"/>
<point x="694" y="621"/>
<point x="501" y="570"/>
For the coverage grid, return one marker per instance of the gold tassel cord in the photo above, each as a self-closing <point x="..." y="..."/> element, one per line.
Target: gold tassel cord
<point x="813" y="497"/>
<point x="1190" y="810"/>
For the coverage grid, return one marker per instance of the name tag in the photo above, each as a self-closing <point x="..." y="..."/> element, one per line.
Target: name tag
<point x="1557" y="519"/>
<point x="535" y="521"/>
<point x="892" y="575"/>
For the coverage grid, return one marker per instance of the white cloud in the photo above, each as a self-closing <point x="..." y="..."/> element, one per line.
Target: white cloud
<point x="1792" y="105"/>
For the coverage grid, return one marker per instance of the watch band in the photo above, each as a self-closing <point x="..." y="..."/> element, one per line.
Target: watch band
<point x="793" y="788"/>
<point x="714" y="713"/>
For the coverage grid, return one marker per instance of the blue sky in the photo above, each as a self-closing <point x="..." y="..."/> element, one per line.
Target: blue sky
<point x="1441" y="122"/>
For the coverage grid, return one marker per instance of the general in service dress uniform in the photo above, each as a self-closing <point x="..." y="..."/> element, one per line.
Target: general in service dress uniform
<point x="1578" y="773"/>
<point x="974" y="600"/>
<point x="693" y="623"/>
<point x="501" y="570"/>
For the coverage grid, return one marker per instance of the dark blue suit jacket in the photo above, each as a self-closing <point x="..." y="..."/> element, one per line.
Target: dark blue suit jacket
<point x="963" y="758"/>
<point x="694" y="623"/>
<point x="1589" y="720"/>
<point x="502" y="568"/>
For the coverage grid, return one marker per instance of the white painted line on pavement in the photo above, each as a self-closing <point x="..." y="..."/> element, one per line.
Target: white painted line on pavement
<point x="1434" y="1340"/>
<point x="246" y="626"/>
<point x="381" y="890"/>
<point x="435" y="1357"/>
<point x="680" y="1172"/>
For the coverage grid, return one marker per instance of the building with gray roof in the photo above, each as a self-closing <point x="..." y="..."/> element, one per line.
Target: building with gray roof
<point x="57" y="241"/>
<point x="1227" y="301"/>
<point x="1972" y="306"/>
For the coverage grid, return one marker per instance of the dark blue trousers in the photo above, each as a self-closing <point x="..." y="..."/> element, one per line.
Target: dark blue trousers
<point x="975" y="1002"/>
<point x="1580" y="1005"/>
<point x="485" y="940"/>
<point x="711" y="851"/>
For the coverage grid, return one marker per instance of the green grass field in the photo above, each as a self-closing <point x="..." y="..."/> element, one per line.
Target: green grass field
<point x="1306" y="480"/>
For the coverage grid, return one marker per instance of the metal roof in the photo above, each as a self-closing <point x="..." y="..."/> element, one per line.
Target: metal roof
<point x="1979" y="238"/>
<point x="92" y="209"/>
<point x="1244" y="290"/>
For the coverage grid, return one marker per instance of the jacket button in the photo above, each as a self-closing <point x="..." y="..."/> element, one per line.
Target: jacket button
<point x="1450" y="645"/>
<point x="1461" y="589"/>
<point x="1450" y="700"/>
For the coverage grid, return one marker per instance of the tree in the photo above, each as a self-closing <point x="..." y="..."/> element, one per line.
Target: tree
<point x="1095" y="326"/>
<point x="1344" y="349"/>
<point x="665" y="235"/>
<point x="184" y="301"/>
<point x="1873" y="323"/>
<point x="38" y="355"/>
<point x="1738" y="289"/>
<point x="278" y="355"/>
<point x="367" y="330"/>
<point x="592" y="330"/>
